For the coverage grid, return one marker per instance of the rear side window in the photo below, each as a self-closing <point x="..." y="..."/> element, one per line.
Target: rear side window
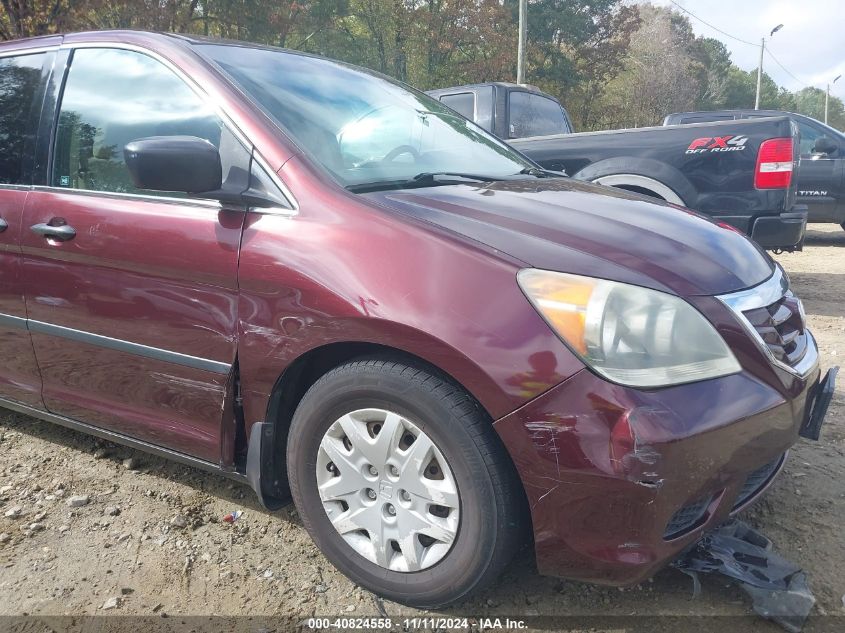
<point x="534" y="115"/>
<point x="20" y="83"/>
<point x="463" y="103"/>
<point x="809" y="135"/>
<point x="112" y="97"/>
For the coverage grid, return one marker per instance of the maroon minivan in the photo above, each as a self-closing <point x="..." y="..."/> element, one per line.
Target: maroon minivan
<point x="317" y="280"/>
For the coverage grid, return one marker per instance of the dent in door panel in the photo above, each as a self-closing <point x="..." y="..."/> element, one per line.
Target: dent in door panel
<point x="139" y="313"/>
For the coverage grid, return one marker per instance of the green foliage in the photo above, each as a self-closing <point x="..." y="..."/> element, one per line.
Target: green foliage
<point x="611" y="62"/>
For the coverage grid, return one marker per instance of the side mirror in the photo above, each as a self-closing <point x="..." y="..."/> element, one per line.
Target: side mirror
<point x="185" y="164"/>
<point x="825" y="145"/>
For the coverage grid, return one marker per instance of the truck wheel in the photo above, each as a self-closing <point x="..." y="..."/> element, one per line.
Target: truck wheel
<point x="402" y="483"/>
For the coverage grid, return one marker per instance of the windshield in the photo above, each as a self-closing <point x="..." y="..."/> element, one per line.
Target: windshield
<point x="364" y="129"/>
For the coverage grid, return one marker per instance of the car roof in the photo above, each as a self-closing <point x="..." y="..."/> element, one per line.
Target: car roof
<point x="152" y="40"/>
<point x="126" y="36"/>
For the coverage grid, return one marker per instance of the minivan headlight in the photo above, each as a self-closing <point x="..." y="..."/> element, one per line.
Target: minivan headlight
<point x="631" y="335"/>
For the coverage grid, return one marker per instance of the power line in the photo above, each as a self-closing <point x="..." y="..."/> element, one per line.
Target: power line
<point x="784" y="69"/>
<point x="742" y="41"/>
<point x="715" y="28"/>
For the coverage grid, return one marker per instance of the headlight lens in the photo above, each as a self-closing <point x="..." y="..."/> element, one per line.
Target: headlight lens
<point x="631" y="335"/>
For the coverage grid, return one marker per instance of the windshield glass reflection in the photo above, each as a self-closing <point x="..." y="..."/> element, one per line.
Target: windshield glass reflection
<point x="361" y="127"/>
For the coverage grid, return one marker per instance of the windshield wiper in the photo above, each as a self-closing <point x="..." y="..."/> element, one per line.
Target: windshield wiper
<point x="424" y="179"/>
<point x="440" y="176"/>
<point x="542" y="173"/>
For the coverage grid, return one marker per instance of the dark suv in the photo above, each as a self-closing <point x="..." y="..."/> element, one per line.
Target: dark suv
<point x="308" y="277"/>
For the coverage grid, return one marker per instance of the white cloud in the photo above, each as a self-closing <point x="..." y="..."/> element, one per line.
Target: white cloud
<point x="810" y="45"/>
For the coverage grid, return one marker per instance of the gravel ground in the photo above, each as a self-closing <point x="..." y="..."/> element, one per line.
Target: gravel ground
<point x="92" y="528"/>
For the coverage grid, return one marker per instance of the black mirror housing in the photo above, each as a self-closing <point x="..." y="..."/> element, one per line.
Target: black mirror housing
<point x="825" y="145"/>
<point x="185" y="164"/>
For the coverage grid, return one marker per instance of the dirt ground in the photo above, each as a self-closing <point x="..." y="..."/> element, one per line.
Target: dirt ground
<point x="151" y="540"/>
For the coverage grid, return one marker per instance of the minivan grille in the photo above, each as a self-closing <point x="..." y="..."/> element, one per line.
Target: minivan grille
<point x="781" y="326"/>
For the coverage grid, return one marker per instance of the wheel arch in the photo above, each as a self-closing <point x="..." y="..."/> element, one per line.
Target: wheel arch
<point x="642" y="185"/>
<point x="266" y="468"/>
<point x="642" y="175"/>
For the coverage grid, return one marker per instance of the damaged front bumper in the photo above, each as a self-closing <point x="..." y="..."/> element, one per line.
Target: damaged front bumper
<point x="620" y="481"/>
<point x="778" y="588"/>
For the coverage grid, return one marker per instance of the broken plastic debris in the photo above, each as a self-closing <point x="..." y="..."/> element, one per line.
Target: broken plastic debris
<point x="778" y="587"/>
<point x="233" y="516"/>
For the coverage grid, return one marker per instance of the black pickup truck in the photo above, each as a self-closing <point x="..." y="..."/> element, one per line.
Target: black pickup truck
<point x="821" y="169"/>
<point x="737" y="172"/>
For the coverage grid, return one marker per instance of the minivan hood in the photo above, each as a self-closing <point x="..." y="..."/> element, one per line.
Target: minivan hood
<point x="569" y="226"/>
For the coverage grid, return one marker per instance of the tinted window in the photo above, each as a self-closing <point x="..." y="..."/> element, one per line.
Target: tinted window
<point x="533" y="115"/>
<point x="809" y="134"/>
<point x="20" y="79"/>
<point x="463" y="103"/>
<point x="112" y="97"/>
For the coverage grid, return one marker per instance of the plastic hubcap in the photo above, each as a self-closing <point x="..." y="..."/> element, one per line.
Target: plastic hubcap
<point x="388" y="490"/>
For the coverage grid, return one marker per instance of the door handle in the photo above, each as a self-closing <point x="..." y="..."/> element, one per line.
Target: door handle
<point x="3" y="225"/>
<point x="61" y="233"/>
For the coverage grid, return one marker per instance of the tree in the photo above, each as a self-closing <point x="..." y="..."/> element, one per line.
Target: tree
<point x="462" y="41"/>
<point x="28" y="18"/>
<point x="810" y="101"/>
<point x="152" y="15"/>
<point x="611" y="62"/>
<point x="597" y="61"/>
<point x="716" y="62"/>
<point x="661" y="75"/>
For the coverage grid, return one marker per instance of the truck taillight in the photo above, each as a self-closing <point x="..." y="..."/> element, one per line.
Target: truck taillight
<point x="774" y="164"/>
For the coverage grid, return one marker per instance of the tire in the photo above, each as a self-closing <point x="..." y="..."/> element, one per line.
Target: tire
<point x="489" y="525"/>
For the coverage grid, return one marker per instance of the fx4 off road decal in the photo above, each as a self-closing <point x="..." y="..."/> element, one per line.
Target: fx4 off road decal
<point x="709" y="144"/>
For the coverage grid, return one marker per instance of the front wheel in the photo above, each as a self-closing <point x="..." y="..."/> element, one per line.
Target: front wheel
<point x="402" y="482"/>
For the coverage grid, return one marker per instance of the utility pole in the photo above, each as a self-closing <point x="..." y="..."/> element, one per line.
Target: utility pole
<point x="760" y="67"/>
<point x="827" y="97"/>
<point x="760" y="73"/>
<point x="523" y="30"/>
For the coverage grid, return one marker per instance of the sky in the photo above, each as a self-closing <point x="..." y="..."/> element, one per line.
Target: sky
<point x="811" y="44"/>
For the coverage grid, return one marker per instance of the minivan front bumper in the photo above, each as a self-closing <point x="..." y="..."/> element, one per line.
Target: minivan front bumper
<point x="612" y="511"/>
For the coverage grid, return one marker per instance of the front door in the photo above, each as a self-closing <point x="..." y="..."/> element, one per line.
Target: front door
<point x="132" y="294"/>
<point x="21" y="92"/>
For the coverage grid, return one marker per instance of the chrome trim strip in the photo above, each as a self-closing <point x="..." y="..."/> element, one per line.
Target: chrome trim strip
<point x="276" y="211"/>
<point x="120" y="438"/>
<point x="7" y="320"/>
<point x="131" y="348"/>
<point x="195" y="202"/>
<point x="761" y="296"/>
<point x="811" y="357"/>
<point x="228" y="121"/>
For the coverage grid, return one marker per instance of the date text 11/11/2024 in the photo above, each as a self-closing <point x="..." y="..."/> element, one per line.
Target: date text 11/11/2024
<point x="416" y="624"/>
